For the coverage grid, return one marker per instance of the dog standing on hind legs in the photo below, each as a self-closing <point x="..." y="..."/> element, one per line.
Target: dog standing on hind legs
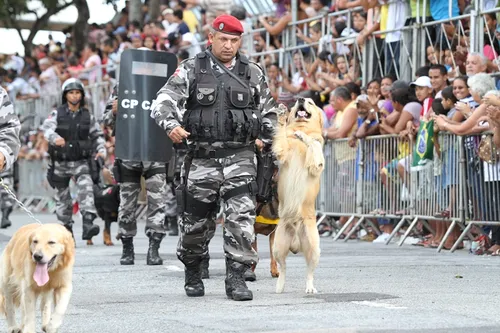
<point x="298" y="146"/>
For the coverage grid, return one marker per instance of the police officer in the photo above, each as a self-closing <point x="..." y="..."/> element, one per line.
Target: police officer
<point x="128" y="174"/>
<point x="219" y="102"/>
<point x="9" y="149"/>
<point x="73" y="135"/>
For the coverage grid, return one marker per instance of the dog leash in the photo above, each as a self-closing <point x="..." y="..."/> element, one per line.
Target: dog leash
<point x="30" y="214"/>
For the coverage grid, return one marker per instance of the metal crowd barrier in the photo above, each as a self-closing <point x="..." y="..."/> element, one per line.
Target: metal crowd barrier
<point x="32" y="112"/>
<point x="36" y="194"/>
<point x="34" y="190"/>
<point x="376" y="179"/>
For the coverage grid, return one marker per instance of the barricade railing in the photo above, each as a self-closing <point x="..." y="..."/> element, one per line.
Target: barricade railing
<point x="33" y="111"/>
<point x="37" y="195"/>
<point x="481" y="185"/>
<point x="379" y="179"/>
<point x="34" y="190"/>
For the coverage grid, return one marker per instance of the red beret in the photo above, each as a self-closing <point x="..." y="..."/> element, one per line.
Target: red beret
<point x="227" y="24"/>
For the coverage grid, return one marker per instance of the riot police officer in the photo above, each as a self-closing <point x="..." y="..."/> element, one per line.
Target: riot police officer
<point x="74" y="136"/>
<point x="128" y="174"/>
<point x="219" y="102"/>
<point x="9" y="149"/>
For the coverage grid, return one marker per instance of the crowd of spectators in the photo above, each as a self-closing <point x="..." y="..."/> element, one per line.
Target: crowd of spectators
<point x="455" y="89"/>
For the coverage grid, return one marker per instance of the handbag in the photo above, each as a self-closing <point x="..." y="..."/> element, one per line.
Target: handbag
<point x="487" y="151"/>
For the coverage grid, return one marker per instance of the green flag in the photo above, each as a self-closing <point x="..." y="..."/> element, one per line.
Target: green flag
<point x="423" y="153"/>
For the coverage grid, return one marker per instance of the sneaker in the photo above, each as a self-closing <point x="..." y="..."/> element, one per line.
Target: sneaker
<point x="382" y="238"/>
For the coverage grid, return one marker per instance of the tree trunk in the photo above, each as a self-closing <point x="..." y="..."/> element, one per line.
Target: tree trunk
<point x="154" y="10"/>
<point x="80" y="29"/>
<point x="40" y="23"/>
<point x="135" y="11"/>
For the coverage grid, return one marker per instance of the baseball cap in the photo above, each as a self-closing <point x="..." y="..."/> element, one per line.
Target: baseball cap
<point x="423" y="81"/>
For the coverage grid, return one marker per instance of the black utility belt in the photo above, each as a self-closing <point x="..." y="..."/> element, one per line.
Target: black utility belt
<point x="219" y="153"/>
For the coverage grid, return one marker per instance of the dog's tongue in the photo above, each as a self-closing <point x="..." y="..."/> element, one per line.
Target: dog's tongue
<point x="41" y="275"/>
<point x="302" y="114"/>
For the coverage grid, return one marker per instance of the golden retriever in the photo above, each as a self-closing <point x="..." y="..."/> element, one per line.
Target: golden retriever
<point x="37" y="261"/>
<point x="298" y="146"/>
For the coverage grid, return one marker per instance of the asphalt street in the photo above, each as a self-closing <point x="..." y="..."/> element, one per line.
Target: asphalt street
<point x="362" y="287"/>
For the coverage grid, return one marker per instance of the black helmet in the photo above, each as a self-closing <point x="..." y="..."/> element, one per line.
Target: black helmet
<point x="72" y="84"/>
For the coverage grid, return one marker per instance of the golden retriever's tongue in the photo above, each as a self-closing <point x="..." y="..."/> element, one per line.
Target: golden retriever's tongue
<point x="41" y="275"/>
<point x="302" y="114"/>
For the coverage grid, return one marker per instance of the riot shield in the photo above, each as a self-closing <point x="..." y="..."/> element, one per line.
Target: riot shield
<point x="137" y="136"/>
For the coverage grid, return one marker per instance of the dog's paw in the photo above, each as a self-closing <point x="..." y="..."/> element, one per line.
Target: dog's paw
<point x="14" y="330"/>
<point x="311" y="290"/>
<point x="299" y="135"/>
<point x="275" y="274"/>
<point x="49" y="328"/>
<point x="109" y="243"/>
<point x="89" y="242"/>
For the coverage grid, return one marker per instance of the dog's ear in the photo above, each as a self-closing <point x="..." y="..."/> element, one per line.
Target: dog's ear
<point x="30" y="238"/>
<point x="69" y="244"/>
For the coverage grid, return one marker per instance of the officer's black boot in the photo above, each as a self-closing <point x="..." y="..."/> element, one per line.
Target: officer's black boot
<point x="204" y="268"/>
<point x="127" y="251"/>
<point x="174" y="227"/>
<point x="5" y="218"/>
<point x="236" y="287"/>
<point x="249" y="275"/>
<point x="153" y="257"/>
<point x="193" y="284"/>
<point x="89" y="228"/>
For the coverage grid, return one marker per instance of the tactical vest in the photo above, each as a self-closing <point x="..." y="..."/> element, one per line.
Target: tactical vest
<point x="74" y="128"/>
<point x="220" y="108"/>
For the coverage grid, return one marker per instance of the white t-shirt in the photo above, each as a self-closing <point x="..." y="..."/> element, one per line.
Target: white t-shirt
<point x="194" y="48"/>
<point x="396" y="18"/>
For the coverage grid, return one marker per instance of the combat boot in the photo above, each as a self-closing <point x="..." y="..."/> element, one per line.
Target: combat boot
<point x="153" y="257"/>
<point x="204" y="268"/>
<point x="249" y="275"/>
<point x="127" y="251"/>
<point x="236" y="287"/>
<point x="193" y="284"/>
<point x="174" y="227"/>
<point x="5" y="218"/>
<point x="89" y="228"/>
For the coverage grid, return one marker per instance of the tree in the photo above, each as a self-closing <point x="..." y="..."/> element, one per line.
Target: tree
<point x="135" y="11"/>
<point x="154" y="9"/>
<point x="81" y="28"/>
<point x="11" y="9"/>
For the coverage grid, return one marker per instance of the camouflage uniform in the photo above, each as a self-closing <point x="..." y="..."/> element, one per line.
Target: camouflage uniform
<point x="211" y="178"/>
<point x="9" y="148"/>
<point x="130" y="187"/>
<point x="80" y="170"/>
